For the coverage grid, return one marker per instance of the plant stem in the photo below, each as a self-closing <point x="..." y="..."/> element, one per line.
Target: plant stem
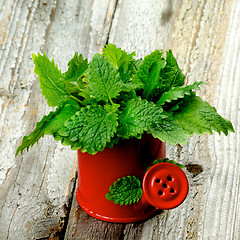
<point x="71" y="96"/>
<point x="111" y="101"/>
<point x="78" y="85"/>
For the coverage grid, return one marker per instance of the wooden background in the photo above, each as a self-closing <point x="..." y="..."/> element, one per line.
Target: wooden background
<point x="37" y="189"/>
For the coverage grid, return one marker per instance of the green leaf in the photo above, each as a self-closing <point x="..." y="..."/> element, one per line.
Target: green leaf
<point x="49" y="124"/>
<point x="51" y="80"/>
<point x="149" y="72"/>
<point x="76" y="67"/>
<point x="126" y="190"/>
<point x="173" y="106"/>
<point x="114" y="141"/>
<point x="171" y="75"/>
<point x="90" y="129"/>
<point x="30" y="140"/>
<point x="178" y="92"/>
<point x="57" y="122"/>
<point x="102" y="79"/>
<point x="73" y="88"/>
<point x="197" y="116"/>
<point x="124" y="62"/>
<point x="168" y="161"/>
<point x="168" y="129"/>
<point x="138" y="116"/>
<point x="112" y="108"/>
<point x="117" y="56"/>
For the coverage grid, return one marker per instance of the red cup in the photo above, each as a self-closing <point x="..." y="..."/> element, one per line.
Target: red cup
<point x="96" y="173"/>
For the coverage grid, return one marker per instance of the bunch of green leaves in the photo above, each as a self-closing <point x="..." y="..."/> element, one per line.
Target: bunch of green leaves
<point x="116" y="96"/>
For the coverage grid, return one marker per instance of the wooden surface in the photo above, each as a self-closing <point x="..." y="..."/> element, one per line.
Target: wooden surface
<point x="37" y="189"/>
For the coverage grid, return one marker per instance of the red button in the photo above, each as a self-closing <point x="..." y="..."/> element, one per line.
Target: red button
<point x="165" y="185"/>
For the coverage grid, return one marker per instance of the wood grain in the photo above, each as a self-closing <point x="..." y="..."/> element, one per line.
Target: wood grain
<point x="36" y="187"/>
<point x="37" y="199"/>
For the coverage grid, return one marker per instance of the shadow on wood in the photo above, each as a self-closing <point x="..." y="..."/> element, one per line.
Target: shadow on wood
<point x="81" y="226"/>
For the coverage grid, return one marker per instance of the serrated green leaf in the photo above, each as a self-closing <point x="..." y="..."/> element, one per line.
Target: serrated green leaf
<point x="160" y="160"/>
<point x="149" y="72"/>
<point x="49" y="124"/>
<point x="174" y="105"/>
<point x="114" y="141"/>
<point x="171" y="75"/>
<point x="126" y="65"/>
<point x="90" y="129"/>
<point x="30" y="140"/>
<point x="51" y="80"/>
<point x="117" y="56"/>
<point x="57" y="122"/>
<point x="168" y="130"/>
<point x="138" y="116"/>
<point x="102" y="79"/>
<point x="72" y="88"/>
<point x="76" y="67"/>
<point x="112" y="108"/>
<point x="178" y="92"/>
<point x="198" y="116"/>
<point x="126" y="190"/>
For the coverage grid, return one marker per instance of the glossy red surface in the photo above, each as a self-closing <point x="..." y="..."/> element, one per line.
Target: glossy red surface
<point x="165" y="186"/>
<point x="97" y="172"/>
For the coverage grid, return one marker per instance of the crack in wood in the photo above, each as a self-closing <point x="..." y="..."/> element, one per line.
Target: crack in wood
<point x="43" y="172"/>
<point x="57" y="232"/>
<point x="111" y="22"/>
<point x="67" y="208"/>
<point x="10" y="224"/>
<point x="48" y="28"/>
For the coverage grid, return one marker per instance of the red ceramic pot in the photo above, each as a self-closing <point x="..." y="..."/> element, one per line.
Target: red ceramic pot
<point x="97" y="172"/>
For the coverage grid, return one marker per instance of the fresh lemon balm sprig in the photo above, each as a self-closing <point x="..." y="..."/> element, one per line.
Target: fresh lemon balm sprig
<point x="116" y="96"/>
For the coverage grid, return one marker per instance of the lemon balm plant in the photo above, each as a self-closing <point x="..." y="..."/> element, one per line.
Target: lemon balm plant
<point x="116" y="97"/>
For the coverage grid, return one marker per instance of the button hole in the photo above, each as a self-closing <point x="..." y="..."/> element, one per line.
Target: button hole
<point x="169" y="178"/>
<point x="160" y="192"/>
<point x="172" y="190"/>
<point x="157" y="180"/>
<point x="165" y="185"/>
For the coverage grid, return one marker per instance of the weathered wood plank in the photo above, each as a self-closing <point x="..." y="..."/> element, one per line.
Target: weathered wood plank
<point x="203" y="36"/>
<point x="83" y="226"/>
<point x="35" y="188"/>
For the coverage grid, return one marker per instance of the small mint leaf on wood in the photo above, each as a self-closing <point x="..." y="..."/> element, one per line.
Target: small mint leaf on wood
<point x="126" y="190"/>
